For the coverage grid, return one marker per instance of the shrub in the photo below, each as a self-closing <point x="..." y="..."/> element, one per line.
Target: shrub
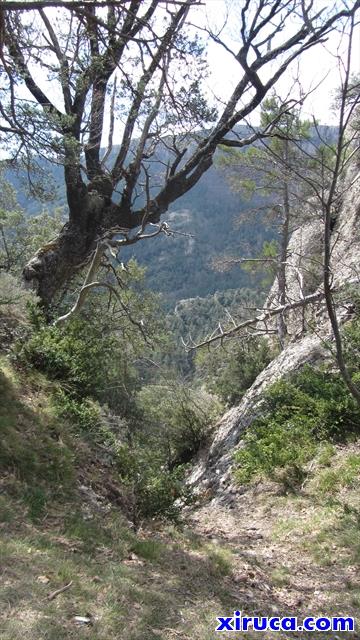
<point x="230" y="373"/>
<point x="176" y="419"/>
<point x="81" y="412"/>
<point x="175" y="422"/>
<point x="312" y="407"/>
<point x="157" y="490"/>
<point x="75" y="354"/>
<point x="88" y="359"/>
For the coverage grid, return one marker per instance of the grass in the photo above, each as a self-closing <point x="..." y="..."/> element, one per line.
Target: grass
<point x="148" y="549"/>
<point x="345" y="474"/>
<point x="131" y="587"/>
<point x="33" y="446"/>
<point x="327" y="527"/>
<point x="221" y="561"/>
<point x="280" y="576"/>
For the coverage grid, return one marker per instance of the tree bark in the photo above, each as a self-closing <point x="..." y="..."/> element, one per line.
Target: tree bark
<point x="58" y="261"/>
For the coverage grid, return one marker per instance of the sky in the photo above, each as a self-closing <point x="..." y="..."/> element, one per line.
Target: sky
<point x="317" y="69"/>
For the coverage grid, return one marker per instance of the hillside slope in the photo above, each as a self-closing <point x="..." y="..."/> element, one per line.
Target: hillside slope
<point x="72" y="563"/>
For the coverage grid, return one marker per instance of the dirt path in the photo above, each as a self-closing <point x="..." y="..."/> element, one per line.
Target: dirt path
<point x="285" y="559"/>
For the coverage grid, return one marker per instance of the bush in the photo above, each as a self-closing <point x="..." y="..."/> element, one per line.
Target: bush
<point x="176" y="420"/>
<point x="75" y="354"/>
<point x="87" y="359"/>
<point x="230" y="373"/>
<point x="14" y="301"/>
<point x="83" y="413"/>
<point x="157" y="491"/>
<point x="312" y="407"/>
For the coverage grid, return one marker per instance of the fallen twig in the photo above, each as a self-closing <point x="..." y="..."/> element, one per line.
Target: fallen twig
<point x="56" y="593"/>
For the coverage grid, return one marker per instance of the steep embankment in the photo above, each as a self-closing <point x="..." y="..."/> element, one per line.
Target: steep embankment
<point x="70" y="560"/>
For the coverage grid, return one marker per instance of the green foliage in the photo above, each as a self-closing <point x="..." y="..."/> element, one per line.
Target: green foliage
<point x="161" y="492"/>
<point x="197" y="317"/>
<point x="13" y="297"/>
<point x="14" y="302"/>
<point x="177" y="419"/>
<point x="29" y="445"/>
<point x="352" y="95"/>
<point x="156" y="490"/>
<point x="229" y="372"/>
<point x="266" y="264"/>
<point x="94" y="354"/>
<point x="20" y="237"/>
<point x="265" y="168"/>
<point x="82" y="412"/>
<point x="311" y="408"/>
<point x="270" y="171"/>
<point x="91" y="366"/>
<point x="345" y="474"/>
<point x="351" y="339"/>
<point x="326" y="454"/>
<point x="35" y="499"/>
<point x="77" y="354"/>
<point x="174" y="423"/>
<point x="94" y="360"/>
<point x="148" y="549"/>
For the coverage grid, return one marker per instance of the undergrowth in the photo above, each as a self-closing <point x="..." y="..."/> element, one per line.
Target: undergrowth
<point x="302" y="417"/>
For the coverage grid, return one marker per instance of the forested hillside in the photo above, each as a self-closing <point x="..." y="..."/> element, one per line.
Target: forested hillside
<point x="180" y="266"/>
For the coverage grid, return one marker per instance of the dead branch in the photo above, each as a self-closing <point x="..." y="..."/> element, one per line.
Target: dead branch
<point x="56" y="593"/>
<point x="113" y="245"/>
<point x="27" y="5"/>
<point x="263" y="317"/>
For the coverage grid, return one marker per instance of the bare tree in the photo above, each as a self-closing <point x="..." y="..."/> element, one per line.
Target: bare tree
<point x="349" y="101"/>
<point x="58" y="79"/>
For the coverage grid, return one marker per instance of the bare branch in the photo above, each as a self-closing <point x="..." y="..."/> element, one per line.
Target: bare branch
<point x="108" y="242"/>
<point x="28" y="5"/>
<point x="264" y="317"/>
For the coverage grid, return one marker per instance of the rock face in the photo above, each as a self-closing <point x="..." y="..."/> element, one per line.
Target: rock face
<point x="214" y="468"/>
<point x="304" y="277"/>
<point x="346" y="235"/>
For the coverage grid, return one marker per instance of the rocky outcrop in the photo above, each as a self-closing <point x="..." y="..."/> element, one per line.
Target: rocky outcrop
<point x="303" y="276"/>
<point x="307" y="329"/>
<point x="214" y="468"/>
<point x="346" y="235"/>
